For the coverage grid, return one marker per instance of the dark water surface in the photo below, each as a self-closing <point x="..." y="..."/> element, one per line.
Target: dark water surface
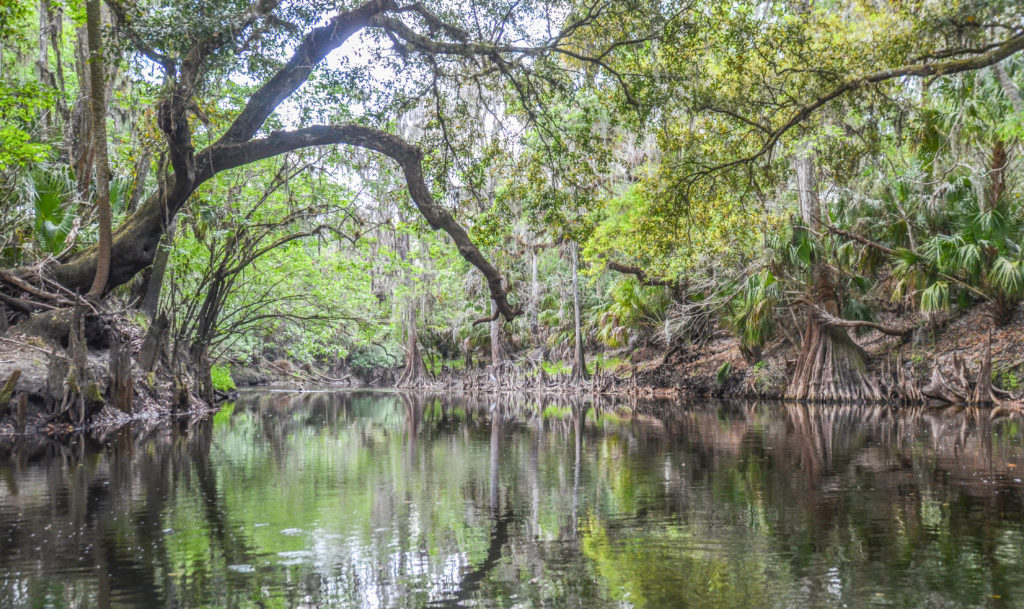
<point x="380" y="500"/>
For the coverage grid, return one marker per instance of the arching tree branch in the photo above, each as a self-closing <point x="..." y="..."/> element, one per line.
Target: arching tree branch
<point x="641" y="275"/>
<point x="408" y="156"/>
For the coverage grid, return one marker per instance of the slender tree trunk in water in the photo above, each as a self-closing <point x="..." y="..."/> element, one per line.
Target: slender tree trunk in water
<point x="415" y="372"/>
<point x="831" y="365"/>
<point x="204" y="376"/>
<point x="497" y="353"/>
<point x="151" y="299"/>
<point x="97" y="86"/>
<point x="579" y="364"/>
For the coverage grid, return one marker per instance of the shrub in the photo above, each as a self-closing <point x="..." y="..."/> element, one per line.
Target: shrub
<point x="221" y="376"/>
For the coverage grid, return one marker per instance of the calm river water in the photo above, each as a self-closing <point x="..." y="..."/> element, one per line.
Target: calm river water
<point x="384" y="500"/>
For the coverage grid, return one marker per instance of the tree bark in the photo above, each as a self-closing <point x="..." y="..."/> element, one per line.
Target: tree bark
<point x="497" y="352"/>
<point x="983" y="390"/>
<point x="42" y="63"/>
<point x="151" y="300"/>
<point x="415" y="372"/>
<point x="98" y="88"/>
<point x="153" y="342"/>
<point x="122" y="384"/>
<point x="201" y="367"/>
<point x="1009" y="88"/>
<point x="79" y="134"/>
<point x="534" y="293"/>
<point x="831" y="366"/>
<point x="579" y="364"/>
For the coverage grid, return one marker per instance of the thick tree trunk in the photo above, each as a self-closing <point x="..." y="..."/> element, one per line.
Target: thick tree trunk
<point x="579" y="363"/>
<point x="153" y="343"/>
<point x="984" y="393"/>
<point x="135" y="244"/>
<point x="831" y="366"/>
<point x="98" y="88"/>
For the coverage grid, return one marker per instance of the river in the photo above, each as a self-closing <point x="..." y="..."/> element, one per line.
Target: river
<point x="376" y="499"/>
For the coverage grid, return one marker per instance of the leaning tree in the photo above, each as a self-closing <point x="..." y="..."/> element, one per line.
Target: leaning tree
<point x="394" y="57"/>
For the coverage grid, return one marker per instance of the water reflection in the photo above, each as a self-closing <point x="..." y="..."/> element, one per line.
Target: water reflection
<point x="388" y="500"/>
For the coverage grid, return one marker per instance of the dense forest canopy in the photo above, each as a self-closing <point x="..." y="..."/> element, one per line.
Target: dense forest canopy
<point x="444" y="184"/>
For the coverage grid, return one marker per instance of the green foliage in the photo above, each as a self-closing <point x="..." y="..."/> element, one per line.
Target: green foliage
<point x="20" y="107"/>
<point x="559" y="368"/>
<point x="752" y="309"/>
<point x="318" y="256"/>
<point x="608" y="364"/>
<point x="221" y="376"/>
<point x="722" y="375"/>
<point x="630" y="308"/>
<point x="51" y="191"/>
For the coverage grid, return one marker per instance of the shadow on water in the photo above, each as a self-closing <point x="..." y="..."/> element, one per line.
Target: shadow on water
<point x="410" y="500"/>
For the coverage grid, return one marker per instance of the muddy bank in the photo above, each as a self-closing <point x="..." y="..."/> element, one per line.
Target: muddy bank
<point x="68" y="371"/>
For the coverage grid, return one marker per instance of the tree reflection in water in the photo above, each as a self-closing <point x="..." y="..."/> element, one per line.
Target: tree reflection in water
<point x="398" y="500"/>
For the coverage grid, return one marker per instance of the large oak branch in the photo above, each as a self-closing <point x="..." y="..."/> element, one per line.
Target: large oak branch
<point x="315" y="46"/>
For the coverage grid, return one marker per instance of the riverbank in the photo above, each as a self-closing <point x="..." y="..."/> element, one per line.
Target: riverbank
<point x="43" y="391"/>
<point x="937" y="366"/>
<point x="53" y="382"/>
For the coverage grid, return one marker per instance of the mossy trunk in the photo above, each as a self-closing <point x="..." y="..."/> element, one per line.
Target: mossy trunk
<point x="415" y="372"/>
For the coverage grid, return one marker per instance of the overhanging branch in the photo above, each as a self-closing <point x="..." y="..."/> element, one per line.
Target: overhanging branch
<point x="409" y="157"/>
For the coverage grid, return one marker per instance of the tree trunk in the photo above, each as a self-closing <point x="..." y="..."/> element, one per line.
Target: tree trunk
<point x="534" y="293"/>
<point x="97" y="85"/>
<point x="205" y="328"/>
<point x="151" y="300"/>
<point x="43" y="62"/>
<point x="151" y="345"/>
<point x="201" y="366"/>
<point x="497" y="352"/>
<point x="414" y="372"/>
<point x="579" y="364"/>
<point x="122" y="384"/>
<point x="79" y="132"/>
<point x="831" y="366"/>
<point x="983" y="390"/>
<point x="142" y="167"/>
